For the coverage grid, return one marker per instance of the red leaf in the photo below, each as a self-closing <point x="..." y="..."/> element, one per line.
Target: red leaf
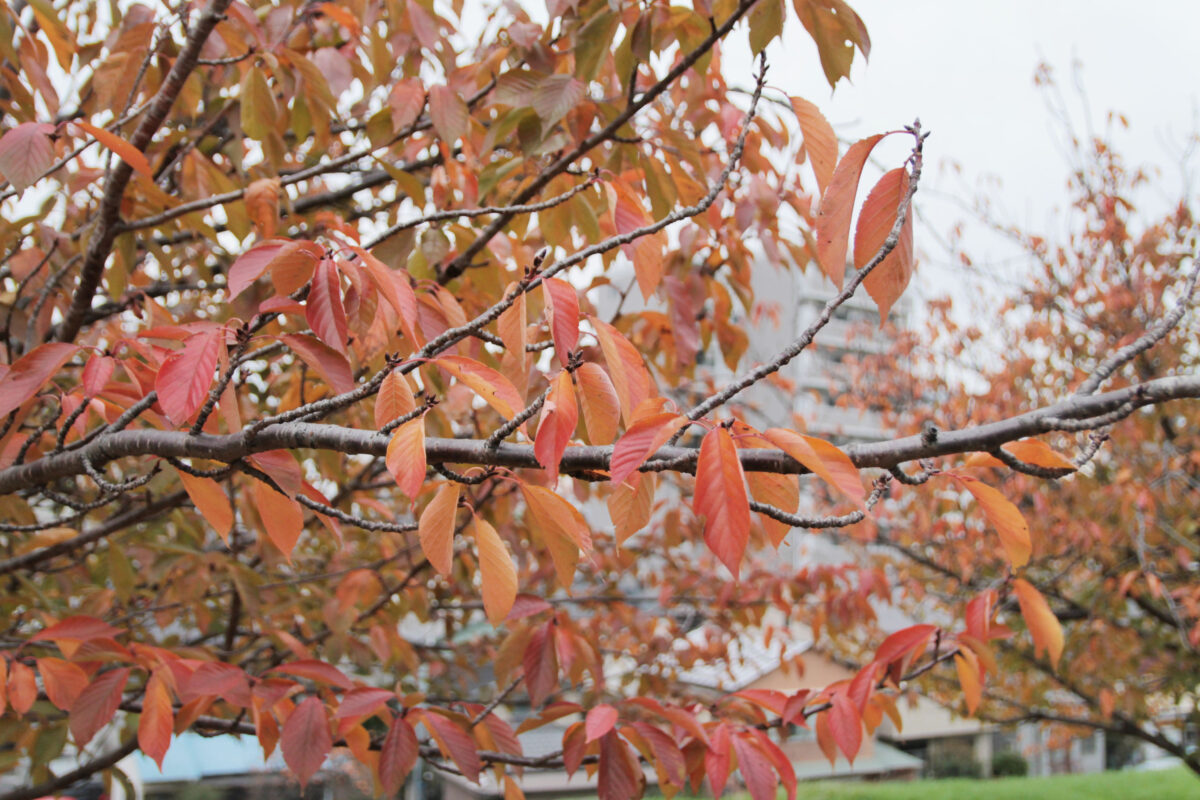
<point x="556" y="95"/>
<point x="778" y="759"/>
<point x="600" y="720"/>
<point x="846" y="725"/>
<point x="562" y="311"/>
<point x="406" y="456"/>
<point x="77" y="629"/>
<point x="717" y="761"/>
<point x="157" y="719"/>
<point x="837" y="207"/>
<point x="1045" y="628"/>
<point x="823" y="459"/>
<point x="305" y="740"/>
<point x="455" y="743"/>
<point x="640" y="441"/>
<point x="902" y="642"/>
<point x="621" y="776"/>
<point x="436" y="528"/>
<point x="26" y="152"/>
<point x="756" y="769"/>
<point x="29" y="373"/>
<point x="668" y="758"/>
<point x="362" y="702"/>
<point x="128" y="153"/>
<point x="979" y="614"/>
<point x="97" y="704"/>
<point x="720" y="497"/>
<point x="526" y="605"/>
<point x="770" y="699"/>
<point x="888" y="279"/>
<point x="556" y="426"/>
<point x="406" y="100"/>
<point x="281" y="516"/>
<point x="316" y="670"/>
<point x="186" y="376"/>
<point x="291" y="269"/>
<point x="820" y="142"/>
<point x="331" y="365"/>
<point x="250" y="265"/>
<point x="324" y="310"/>
<point x="96" y="374"/>
<point x="397" y="756"/>
<point x="497" y="576"/>
<point x="62" y="680"/>
<point x="210" y="500"/>
<point x="574" y="748"/>
<point x="449" y="113"/>
<point x="541" y="664"/>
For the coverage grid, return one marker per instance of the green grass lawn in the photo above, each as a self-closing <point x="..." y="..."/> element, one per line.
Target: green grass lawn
<point x="1160" y="785"/>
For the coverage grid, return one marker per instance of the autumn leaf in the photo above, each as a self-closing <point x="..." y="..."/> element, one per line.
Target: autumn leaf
<point x="823" y="459"/>
<point x="1002" y="515"/>
<point x="642" y="440"/>
<point x="397" y="756"/>
<point x="904" y="642"/>
<point x="837" y="207"/>
<point x="186" y="376"/>
<point x="540" y="661"/>
<point x="406" y="456"/>
<point x="157" y="720"/>
<point x="454" y="743"/>
<point x="720" y="498"/>
<point x="97" y="704"/>
<point x="449" y="113"/>
<point x="395" y="399"/>
<point x="281" y="516"/>
<point x="625" y="366"/>
<point x="262" y="205"/>
<point x="631" y="504"/>
<point x="561" y="527"/>
<point x="496" y="390"/>
<point x="600" y="720"/>
<point x="1044" y="627"/>
<point x="209" y="499"/>
<point x="889" y="278"/>
<point x="406" y="100"/>
<point x="846" y="725"/>
<point x="316" y="670"/>
<point x="562" y="311"/>
<point x="250" y="265"/>
<point x="620" y="775"/>
<point x="556" y="426"/>
<point x="127" y="152"/>
<point x="967" y="667"/>
<point x="26" y="152"/>
<point x="324" y="309"/>
<point x="601" y="406"/>
<point x="62" y="680"/>
<point x="436" y="528"/>
<point x="498" y="577"/>
<point x="327" y="362"/>
<point x="31" y="372"/>
<point x="305" y="740"/>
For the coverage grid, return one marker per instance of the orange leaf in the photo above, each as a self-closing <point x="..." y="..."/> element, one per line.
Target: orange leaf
<point x="496" y="572"/>
<point x="823" y="459"/>
<point x="29" y="373"/>
<point x="62" y="680"/>
<point x="496" y="390"/>
<point x="1045" y="628"/>
<point x="625" y="366"/>
<point x="280" y="515"/>
<point x="436" y="528"/>
<point x="1003" y="516"/>
<point x="454" y="743"/>
<point x="324" y="310"/>
<point x="210" y="500"/>
<point x="128" y="153"/>
<point x="781" y="491"/>
<point x="22" y="688"/>
<point x="305" y="740"/>
<point x="562" y="311"/>
<point x="186" y="376"/>
<point x="96" y="705"/>
<point x="262" y="205"/>
<point x="631" y="504"/>
<point x="406" y="456"/>
<point x="157" y="719"/>
<point x="888" y="279"/>
<point x="601" y="406"/>
<point x="76" y="629"/>
<point x="448" y="111"/>
<point x="837" y="207"/>
<point x="316" y="670"/>
<point x="561" y="527"/>
<point x="642" y="440"/>
<point x="967" y="666"/>
<point x="560" y="414"/>
<point x="820" y="142"/>
<point x="1038" y="453"/>
<point x="395" y="399"/>
<point x="512" y="324"/>
<point x="720" y="497"/>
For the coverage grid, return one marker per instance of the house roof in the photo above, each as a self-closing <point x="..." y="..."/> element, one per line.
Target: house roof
<point x="749" y="660"/>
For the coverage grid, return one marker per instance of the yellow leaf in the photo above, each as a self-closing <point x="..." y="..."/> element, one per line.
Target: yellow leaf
<point x="496" y="572"/>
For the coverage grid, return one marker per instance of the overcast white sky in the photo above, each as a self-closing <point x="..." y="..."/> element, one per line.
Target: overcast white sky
<point x="966" y="69"/>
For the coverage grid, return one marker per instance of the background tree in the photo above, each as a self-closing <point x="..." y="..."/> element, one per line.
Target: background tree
<point x="1117" y="558"/>
<point x="302" y="349"/>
